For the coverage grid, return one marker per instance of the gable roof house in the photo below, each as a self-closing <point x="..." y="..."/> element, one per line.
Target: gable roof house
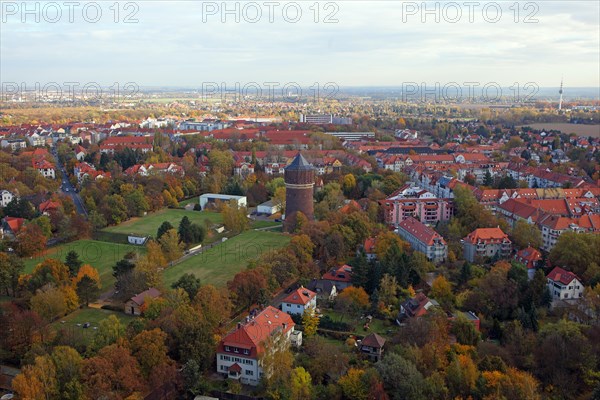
<point x="564" y="285"/>
<point x="340" y="277"/>
<point x="372" y="345"/>
<point x="415" y="307"/>
<point x="424" y="239"/>
<point x="486" y="242"/>
<point x="134" y="305"/>
<point x="324" y="289"/>
<point x="299" y="300"/>
<point x="239" y="353"/>
<point x="530" y="258"/>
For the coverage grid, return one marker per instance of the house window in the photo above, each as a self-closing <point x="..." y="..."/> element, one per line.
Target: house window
<point x="246" y="351"/>
<point x="236" y="350"/>
<point x="249" y="372"/>
<point x="227" y="348"/>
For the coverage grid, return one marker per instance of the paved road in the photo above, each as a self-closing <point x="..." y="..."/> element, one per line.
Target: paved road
<point x="69" y="189"/>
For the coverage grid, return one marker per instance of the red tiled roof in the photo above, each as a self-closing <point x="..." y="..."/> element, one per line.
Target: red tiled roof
<point x="139" y="299"/>
<point x="125" y="140"/>
<point x="421" y="231"/>
<point x="342" y="274"/>
<point x="252" y="334"/>
<point x="373" y="340"/>
<point x="528" y="256"/>
<point x="49" y="205"/>
<point x="485" y="234"/>
<point x="560" y="275"/>
<point x="14" y="223"/>
<point x="235" y="368"/>
<point x="369" y="245"/>
<point x="300" y="296"/>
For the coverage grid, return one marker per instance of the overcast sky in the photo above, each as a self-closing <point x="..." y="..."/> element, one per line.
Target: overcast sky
<point x="175" y="43"/>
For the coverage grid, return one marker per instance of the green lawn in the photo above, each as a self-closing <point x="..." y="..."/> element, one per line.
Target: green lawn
<point x="378" y="326"/>
<point x="91" y="315"/>
<point x="220" y="263"/>
<point x="263" y="224"/>
<point x="149" y="224"/>
<point x="100" y="255"/>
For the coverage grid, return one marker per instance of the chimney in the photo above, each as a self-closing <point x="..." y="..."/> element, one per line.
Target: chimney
<point x="239" y="325"/>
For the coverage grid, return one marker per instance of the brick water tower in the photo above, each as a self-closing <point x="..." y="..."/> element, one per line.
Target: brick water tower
<point x="299" y="179"/>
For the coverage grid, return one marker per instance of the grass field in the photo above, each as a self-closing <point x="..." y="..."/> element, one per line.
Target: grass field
<point x="193" y="200"/>
<point x="149" y="224"/>
<point x="100" y="255"/>
<point x="91" y="315"/>
<point x="219" y="264"/>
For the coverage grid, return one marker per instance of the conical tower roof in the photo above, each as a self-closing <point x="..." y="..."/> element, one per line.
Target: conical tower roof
<point x="299" y="164"/>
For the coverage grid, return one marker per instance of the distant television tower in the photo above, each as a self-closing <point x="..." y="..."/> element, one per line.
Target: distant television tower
<point x="560" y="92"/>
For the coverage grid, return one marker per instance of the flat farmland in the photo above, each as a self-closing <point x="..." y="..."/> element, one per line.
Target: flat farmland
<point x="578" y="129"/>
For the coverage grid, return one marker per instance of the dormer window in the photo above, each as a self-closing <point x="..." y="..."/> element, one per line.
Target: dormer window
<point x="227" y="348"/>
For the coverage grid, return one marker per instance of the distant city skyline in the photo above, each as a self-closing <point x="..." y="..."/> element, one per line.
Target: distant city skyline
<point x="378" y="43"/>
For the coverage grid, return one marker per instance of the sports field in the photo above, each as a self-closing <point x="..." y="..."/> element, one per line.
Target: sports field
<point x="220" y="263"/>
<point x="148" y="225"/>
<point x="100" y="255"/>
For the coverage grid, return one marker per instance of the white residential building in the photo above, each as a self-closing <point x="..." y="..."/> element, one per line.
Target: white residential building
<point x="564" y="285"/>
<point x="240" y="351"/>
<point x="299" y="301"/>
<point x="5" y="198"/>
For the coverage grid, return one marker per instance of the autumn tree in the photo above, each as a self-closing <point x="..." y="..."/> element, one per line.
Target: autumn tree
<point x="279" y="198"/>
<point x="441" y="290"/>
<point x="525" y="234"/>
<point x="388" y="290"/>
<point x="10" y="270"/>
<point x="30" y="240"/>
<point x="462" y="375"/>
<point x="109" y="331"/>
<point x="149" y="348"/>
<point x="323" y="359"/>
<point x="247" y="286"/>
<point x="276" y="362"/>
<point x="37" y="381"/>
<point x="353" y="300"/>
<point x="214" y="305"/>
<point x="171" y="246"/>
<point x="235" y="217"/>
<point x="465" y="331"/>
<point x="401" y="378"/>
<point x="353" y="386"/>
<point x="49" y="303"/>
<point x="188" y="282"/>
<point x="576" y="252"/>
<point x="564" y="341"/>
<point x="87" y="283"/>
<point x="310" y="322"/>
<point x="300" y="384"/>
<point x="113" y="373"/>
<point x="67" y="362"/>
